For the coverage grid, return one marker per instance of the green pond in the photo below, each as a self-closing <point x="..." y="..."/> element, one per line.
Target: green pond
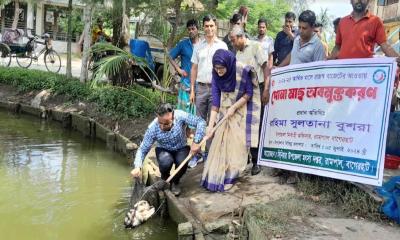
<point x="56" y="184"/>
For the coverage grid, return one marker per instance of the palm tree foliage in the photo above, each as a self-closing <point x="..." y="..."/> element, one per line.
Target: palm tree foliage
<point x="120" y="61"/>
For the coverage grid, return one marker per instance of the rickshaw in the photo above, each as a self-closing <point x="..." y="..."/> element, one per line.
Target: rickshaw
<point x="12" y="46"/>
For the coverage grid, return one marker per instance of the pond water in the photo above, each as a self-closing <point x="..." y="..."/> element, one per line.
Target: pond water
<point x="56" y="184"/>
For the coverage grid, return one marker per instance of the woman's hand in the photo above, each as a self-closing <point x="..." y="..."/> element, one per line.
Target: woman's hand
<point x="210" y="132"/>
<point x="230" y="111"/>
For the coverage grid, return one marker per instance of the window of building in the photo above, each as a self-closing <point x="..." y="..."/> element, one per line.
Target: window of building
<point x="386" y="2"/>
<point x="381" y="2"/>
<point x="392" y="1"/>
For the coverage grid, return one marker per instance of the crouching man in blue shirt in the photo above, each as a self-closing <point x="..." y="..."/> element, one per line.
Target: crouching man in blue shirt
<point x="167" y="129"/>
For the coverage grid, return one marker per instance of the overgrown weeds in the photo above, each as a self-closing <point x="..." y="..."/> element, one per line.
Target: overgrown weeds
<point x="121" y="103"/>
<point x="346" y="197"/>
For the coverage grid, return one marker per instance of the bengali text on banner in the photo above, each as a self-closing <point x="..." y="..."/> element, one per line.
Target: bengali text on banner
<point x="329" y="118"/>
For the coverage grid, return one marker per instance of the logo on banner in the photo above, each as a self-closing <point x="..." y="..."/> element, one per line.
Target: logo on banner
<point x="379" y="76"/>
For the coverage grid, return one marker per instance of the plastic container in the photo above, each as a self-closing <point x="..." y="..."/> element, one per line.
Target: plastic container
<point x="141" y="48"/>
<point x="392" y="161"/>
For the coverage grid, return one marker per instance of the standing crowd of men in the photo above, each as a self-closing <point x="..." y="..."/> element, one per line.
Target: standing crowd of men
<point x="356" y="37"/>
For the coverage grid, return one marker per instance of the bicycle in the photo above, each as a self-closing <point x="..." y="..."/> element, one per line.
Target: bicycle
<point x="25" y="53"/>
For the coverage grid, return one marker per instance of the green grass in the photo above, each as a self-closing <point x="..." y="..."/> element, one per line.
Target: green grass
<point x="344" y="196"/>
<point x="275" y="217"/>
<point x="121" y="103"/>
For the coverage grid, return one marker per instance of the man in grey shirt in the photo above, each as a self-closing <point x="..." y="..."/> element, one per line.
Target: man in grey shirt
<point x="307" y="47"/>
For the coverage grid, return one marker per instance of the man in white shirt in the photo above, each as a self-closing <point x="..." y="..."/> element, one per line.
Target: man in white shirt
<point x="267" y="43"/>
<point x="201" y="73"/>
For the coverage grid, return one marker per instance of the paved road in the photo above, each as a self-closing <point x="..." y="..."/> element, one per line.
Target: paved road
<point x="76" y="65"/>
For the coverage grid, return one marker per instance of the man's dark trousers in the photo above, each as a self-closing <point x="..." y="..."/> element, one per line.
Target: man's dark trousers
<point x="167" y="158"/>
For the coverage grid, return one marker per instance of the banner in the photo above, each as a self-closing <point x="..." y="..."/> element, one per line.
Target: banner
<point x="329" y="118"/>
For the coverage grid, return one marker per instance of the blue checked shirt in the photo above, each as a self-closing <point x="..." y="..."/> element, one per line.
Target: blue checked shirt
<point x="173" y="139"/>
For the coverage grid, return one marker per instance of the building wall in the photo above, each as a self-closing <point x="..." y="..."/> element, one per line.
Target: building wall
<point x="61" y="47"/>
<point x="390" y="15"/>
<point x="388" y="12"/>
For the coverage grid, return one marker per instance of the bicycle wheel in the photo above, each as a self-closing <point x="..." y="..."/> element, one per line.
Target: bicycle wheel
<point x="52" y="61"/>
<point x="23" y="60"/>
<point x="5" y="56"/>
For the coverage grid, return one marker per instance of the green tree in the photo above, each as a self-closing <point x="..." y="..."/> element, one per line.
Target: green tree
<point x="87" y="17"/>
<point x="89" y="10"/>
<point x="298" y="6"/>
<point x="326" y="20"/>
<point x="272" y="10"/>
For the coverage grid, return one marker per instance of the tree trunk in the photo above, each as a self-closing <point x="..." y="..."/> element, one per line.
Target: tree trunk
<point x="122" y="78"/>
<point x="86" y="42"/>
<point x="177" y="9"/>
<point x="117" y="23"/>
<point x="16" y="15"/>
<point x="125" y="24"/>
<point x="69" y="39"/>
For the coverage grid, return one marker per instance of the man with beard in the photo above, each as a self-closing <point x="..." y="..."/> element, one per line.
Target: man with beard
<point x="184" y="50"/>
<point x="168" y="131"/>
<point x="359" y="32"/>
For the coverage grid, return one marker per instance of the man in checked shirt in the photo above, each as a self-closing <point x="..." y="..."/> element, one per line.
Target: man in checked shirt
<point x="168" y="131"/>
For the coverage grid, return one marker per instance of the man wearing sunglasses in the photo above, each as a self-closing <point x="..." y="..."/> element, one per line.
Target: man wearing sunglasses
<point x="167" y="129"/>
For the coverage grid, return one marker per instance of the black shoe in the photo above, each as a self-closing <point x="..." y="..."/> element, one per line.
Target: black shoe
<point x="255" y="169"/>
<point x="175" y="189"/>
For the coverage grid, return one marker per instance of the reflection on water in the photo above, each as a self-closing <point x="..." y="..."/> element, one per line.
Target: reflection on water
<point x="56" y="184"/>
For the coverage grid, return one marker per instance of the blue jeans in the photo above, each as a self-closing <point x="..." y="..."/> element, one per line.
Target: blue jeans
<point x="167" y="158"/>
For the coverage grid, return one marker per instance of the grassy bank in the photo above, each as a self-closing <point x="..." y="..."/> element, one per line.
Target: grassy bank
<point x="344" y="196"/>
<point x="132" y="102"/>
<point x="317" y="197"/>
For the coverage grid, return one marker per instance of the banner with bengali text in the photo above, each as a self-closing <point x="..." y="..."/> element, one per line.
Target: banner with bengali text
<point x="329" y="118"/>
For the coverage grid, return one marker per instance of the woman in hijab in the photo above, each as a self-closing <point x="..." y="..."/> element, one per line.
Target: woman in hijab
<point x="232" y="91"/>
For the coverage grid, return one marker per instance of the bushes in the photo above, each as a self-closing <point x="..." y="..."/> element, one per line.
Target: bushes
<point x="133" y="102"/>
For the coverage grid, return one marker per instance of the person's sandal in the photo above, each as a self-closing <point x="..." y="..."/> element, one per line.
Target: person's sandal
<point x="255" y="169"/>
<point x="175" y="189"/>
